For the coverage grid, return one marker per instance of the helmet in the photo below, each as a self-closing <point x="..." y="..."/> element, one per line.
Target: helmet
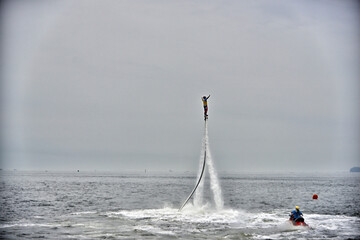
<point x="204" y="97"/>
<point x="297" y="207"/>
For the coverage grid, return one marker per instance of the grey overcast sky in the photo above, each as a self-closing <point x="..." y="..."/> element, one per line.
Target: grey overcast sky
<point x="116" y="85"/>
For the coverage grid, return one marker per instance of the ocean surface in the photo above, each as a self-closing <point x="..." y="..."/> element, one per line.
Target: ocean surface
<point x="94" y="205"/>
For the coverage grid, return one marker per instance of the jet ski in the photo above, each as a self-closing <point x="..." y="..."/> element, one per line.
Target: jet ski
<point x="298" y="221"/>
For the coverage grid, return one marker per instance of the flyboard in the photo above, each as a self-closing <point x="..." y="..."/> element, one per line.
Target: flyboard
<point x="202" y="172"/>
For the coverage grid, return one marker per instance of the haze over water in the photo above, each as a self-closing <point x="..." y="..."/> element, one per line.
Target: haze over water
<point x="116" y="85"/>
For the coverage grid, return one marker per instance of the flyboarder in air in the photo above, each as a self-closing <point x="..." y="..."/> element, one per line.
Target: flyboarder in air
<point x="204" y="99"/>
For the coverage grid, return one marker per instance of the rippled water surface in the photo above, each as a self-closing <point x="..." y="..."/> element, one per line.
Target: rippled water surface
<point x="54" y="205"/>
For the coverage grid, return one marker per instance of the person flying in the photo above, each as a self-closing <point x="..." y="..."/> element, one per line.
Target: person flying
<point x="204" y="99"/>
<point x="296" y="215"/>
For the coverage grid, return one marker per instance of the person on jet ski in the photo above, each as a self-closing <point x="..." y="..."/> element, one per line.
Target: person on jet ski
<point x="296" y="215"/>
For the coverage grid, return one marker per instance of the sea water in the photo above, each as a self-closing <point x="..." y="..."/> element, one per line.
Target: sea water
<point x="93" y="205"/>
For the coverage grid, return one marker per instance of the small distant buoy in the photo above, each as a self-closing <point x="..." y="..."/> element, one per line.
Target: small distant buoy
<point x="315" y="196"/>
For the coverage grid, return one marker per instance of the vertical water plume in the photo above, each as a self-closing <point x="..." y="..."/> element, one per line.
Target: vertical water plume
<point x="214" y="181"/>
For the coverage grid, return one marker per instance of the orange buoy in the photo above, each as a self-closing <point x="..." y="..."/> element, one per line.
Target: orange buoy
<point x="315" y="196"/>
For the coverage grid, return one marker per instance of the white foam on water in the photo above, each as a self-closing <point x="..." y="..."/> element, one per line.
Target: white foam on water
<point x="83" y="213"/>
<point x="153" y="230"/>
<point x="332" y="223"/>
<point x="190" y="214"/>
<point x="193" y="220"/>
<point x="200" y="222"/>
<point x="25" y="225"/>
<point x="276" y="226"/>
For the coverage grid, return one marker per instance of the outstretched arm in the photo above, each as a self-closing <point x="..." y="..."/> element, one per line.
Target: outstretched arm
<point x="208" y="96"/>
